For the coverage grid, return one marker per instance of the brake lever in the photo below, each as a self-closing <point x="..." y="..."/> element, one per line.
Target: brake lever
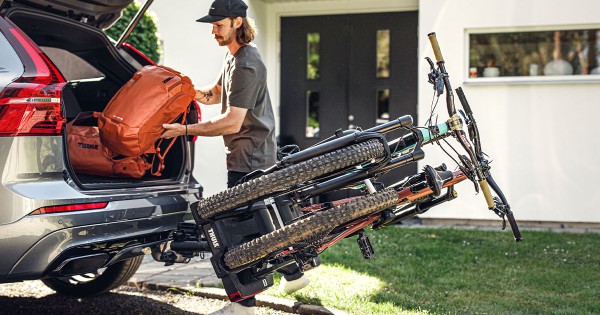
<point x="471" y="128"/>
<point x="462" y="113"/>
<point x="502" y="205"/>
<point x="434" y="78"/>
<point x="431" y="64"/>
<point x="500" y="210"/>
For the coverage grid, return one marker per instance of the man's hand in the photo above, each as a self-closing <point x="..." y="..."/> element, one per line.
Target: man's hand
<point x="173" y="130"/>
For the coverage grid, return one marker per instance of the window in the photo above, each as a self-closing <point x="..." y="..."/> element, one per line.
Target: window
<point x="383" y="106"/>
<point x="313" y="56"/>
<point x="312" y="114"/>
<point x="10" y="64"/>
<point x="72" y="66"/>
<point x="383" y="54"/>
<point x="555" y="52"/>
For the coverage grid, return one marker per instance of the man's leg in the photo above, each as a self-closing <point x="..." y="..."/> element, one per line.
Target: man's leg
<point x="293" y="279"/>
<point x="234" y="177"/>
<point x="247" y="306"/>
<point x="244" y="307"/>
<point x="249" y="302"/>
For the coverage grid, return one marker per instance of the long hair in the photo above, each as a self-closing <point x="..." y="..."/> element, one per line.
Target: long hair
<point x="246" y="32"/>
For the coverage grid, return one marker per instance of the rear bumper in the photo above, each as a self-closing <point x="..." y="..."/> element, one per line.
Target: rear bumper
<point x="38" y="245"/>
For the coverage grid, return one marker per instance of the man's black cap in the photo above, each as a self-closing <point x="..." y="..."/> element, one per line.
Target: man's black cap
<point x="221" y="9"/>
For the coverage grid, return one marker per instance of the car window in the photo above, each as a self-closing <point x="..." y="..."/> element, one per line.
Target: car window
<point x="10" y="65"/>
<point x="72" y="66"/>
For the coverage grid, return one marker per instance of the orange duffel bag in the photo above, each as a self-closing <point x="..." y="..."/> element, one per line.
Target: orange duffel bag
<point x="89" y="156"/>
<point x="132" y="121"/>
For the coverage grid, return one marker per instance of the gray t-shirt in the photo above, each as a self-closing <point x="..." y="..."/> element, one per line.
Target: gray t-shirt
<point x="244" y="84"/>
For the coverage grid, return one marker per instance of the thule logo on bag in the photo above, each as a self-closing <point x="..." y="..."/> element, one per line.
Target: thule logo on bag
<point x="213" y="238"/>
<point x="87" y="146"/>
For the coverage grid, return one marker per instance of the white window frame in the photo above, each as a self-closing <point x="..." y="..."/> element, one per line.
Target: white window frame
<point x="540" y="79"/>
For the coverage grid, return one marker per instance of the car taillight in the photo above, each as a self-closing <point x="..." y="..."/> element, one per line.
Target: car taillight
<point x="71" y="208"/>
<point x="199" y="117"/>
<point x="30" y="105"/>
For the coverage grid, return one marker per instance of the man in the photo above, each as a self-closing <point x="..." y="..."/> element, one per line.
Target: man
<point x="246" y="122"/>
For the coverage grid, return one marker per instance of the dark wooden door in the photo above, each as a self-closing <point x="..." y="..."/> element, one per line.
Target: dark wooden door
<point x="346" y="71"/>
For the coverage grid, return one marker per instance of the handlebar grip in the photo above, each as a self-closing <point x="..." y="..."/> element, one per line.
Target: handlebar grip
<point x="485" y="189"/>
<point x="436" y="47"/>
<point x="463" y="100"/>
<point x="513" y="226"/>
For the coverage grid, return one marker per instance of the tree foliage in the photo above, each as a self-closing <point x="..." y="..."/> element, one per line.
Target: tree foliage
<point x="143" y="37"/>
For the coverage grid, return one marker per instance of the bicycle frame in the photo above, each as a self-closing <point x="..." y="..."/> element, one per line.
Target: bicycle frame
<point x="405" y="196"/>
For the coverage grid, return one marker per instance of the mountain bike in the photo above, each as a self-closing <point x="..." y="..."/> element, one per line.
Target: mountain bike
<point x="273" y="218"/>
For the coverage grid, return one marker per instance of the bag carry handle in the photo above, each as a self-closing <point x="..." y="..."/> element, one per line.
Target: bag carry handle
<point x="83" y="116"/>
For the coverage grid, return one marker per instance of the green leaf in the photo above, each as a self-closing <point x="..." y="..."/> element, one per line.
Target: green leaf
<point x="143" y="37"/>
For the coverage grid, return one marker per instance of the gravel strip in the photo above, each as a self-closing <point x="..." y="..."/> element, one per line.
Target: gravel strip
<point x="33" y="297"/>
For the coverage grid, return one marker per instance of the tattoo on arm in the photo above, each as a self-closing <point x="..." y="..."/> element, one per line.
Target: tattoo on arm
<point x="207" y="95"/>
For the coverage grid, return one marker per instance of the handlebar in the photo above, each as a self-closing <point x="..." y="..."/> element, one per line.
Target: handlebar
<point x="478" y="170"/>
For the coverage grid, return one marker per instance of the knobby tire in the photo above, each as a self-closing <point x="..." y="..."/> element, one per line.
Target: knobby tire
<point x="289" y="176"/>
<point x="320" y="222"/>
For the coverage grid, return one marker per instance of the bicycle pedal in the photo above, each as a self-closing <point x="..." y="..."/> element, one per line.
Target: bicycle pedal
<point x="311" y="264"/>
<point x="365" y="246"/>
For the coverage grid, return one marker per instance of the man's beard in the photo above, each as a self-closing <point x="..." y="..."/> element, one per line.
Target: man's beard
<point x="225" y="41"/>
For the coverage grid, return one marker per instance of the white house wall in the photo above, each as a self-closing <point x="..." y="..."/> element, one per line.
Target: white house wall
<point x="538" y="134"/>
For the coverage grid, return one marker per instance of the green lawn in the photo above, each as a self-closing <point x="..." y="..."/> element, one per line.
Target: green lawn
<point x="458" y="271"/>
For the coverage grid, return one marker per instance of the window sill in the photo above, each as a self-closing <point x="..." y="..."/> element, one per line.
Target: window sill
<point x="556" y="79"/>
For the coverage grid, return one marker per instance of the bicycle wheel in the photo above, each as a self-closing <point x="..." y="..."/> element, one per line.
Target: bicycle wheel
<point x="320" y="222"/>
<point x="287" y="177"/>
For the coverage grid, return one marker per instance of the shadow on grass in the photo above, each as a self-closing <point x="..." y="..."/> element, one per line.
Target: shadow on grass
<point x="309" y="300"/>
<point x="110" y="303"/>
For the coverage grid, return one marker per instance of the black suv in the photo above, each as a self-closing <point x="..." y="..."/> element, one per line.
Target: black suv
<point x="81" y="234"/>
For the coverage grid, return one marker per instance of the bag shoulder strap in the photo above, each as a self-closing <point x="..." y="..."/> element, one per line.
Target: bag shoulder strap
<point x="161" y="155"/>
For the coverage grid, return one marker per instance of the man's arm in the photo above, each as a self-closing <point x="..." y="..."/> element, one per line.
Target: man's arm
<point x="209" y="95"/>
<point x="227" y="123"/>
